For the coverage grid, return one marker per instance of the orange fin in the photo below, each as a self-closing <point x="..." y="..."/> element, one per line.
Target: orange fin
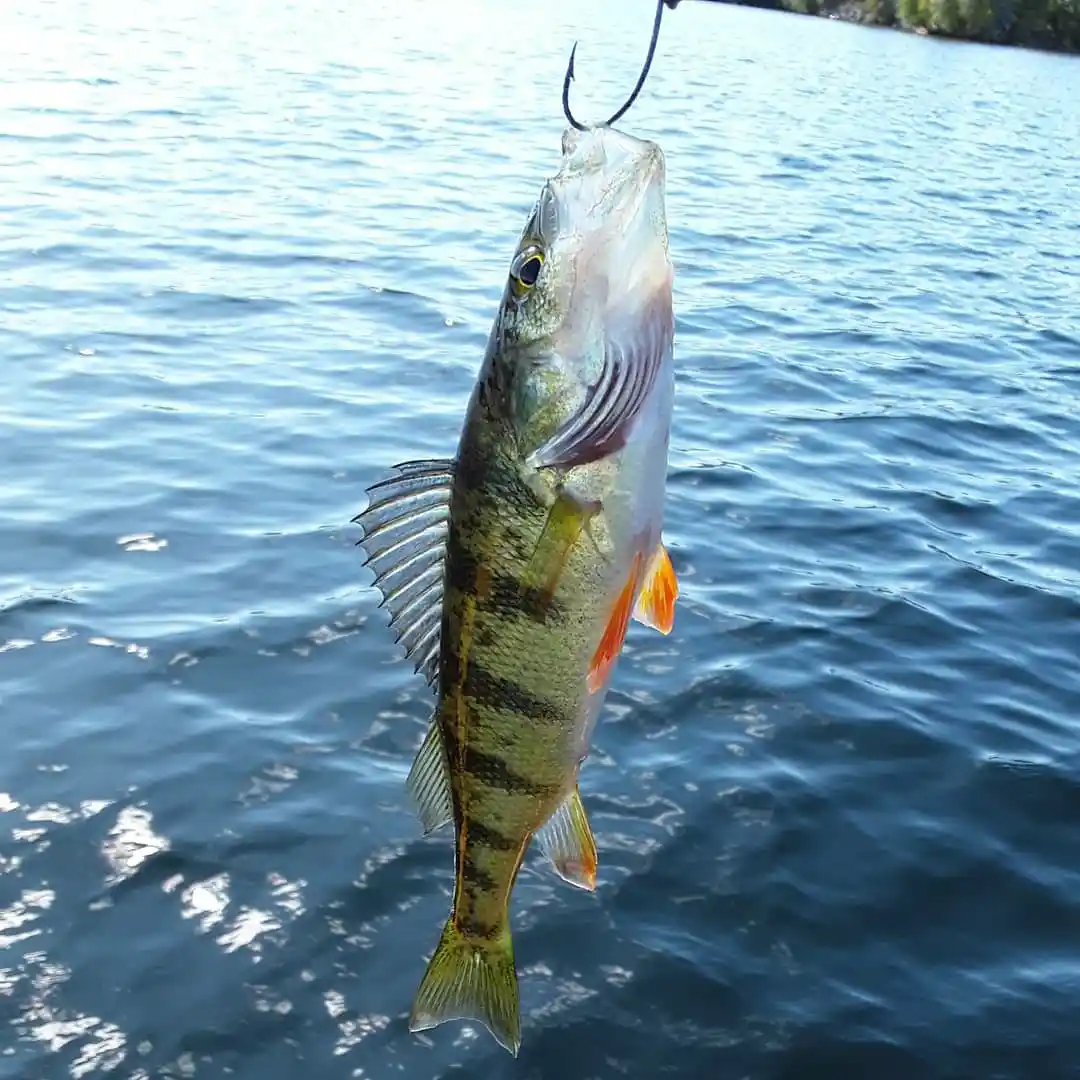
<point x="615" y="633"/>
<point x="656" y="603"/>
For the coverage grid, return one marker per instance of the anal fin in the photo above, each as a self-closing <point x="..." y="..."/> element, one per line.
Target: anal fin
<point x="568" y="843"/>
<point x="656" y="602"/>
<point x="429" y="782"/>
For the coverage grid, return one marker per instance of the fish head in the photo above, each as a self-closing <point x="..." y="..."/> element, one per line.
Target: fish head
<point x="593" y="254"/>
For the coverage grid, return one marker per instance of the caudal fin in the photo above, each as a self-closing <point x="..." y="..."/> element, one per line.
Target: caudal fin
<point x="471" y="979"/>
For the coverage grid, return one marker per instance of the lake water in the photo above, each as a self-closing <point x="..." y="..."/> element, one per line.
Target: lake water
<point x="249" y="257"/>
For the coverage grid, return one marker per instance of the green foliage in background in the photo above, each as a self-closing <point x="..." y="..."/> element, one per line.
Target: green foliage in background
<point x="1048" y="24"/>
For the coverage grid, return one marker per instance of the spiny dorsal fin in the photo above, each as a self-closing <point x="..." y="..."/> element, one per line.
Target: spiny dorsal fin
<point x="405" y="527"/>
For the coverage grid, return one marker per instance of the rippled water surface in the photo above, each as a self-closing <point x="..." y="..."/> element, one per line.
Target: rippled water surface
<point x="249" y="256"/>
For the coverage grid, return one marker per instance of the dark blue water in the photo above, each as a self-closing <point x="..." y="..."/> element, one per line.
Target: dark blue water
<point x="249" y="257"/>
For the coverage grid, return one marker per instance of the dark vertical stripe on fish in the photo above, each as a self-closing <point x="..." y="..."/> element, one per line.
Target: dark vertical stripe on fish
<point x="498" y="693"/>
<point x="491" y="770"/>
<point x="506" y="593"/>
<point x="475" y="876"/>
<point x="462" y="570"/>
<point x="489" y="837"/>
<point x="474" y="928"/>
<point x="473" y="470"/>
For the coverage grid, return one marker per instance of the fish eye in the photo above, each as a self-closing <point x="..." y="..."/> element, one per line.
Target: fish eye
<point x="527" y="268"/>
<point x="530" y="270"/>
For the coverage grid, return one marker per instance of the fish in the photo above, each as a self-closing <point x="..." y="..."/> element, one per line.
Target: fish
<point x="512" y="570"/>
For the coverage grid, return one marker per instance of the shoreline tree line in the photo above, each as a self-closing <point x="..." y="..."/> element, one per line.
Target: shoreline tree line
<point x="1042" y="24"/>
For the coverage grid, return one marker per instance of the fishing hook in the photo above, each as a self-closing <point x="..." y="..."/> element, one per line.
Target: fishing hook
<point x="569" y="78"/>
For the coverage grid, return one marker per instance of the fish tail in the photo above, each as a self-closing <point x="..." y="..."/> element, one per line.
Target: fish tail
<point x="471" y="979"/>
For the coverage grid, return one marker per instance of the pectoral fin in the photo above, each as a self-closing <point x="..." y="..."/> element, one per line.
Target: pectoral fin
<point x="566" y="520"/>
<point x="567" y="841"/>
<point x="611" y="643"/>
<point x="656" y="602"/>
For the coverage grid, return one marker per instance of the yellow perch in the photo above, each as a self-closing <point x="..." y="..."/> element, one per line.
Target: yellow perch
<point x="512" y="570"/>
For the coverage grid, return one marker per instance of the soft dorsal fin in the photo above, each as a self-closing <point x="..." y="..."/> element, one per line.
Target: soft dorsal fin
<point x="405" y="527"/>
<point x="429" y="782"/>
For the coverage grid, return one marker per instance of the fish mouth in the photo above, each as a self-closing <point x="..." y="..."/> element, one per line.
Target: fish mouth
<point x="607" y="150"/>
<point x="617" y="170"/>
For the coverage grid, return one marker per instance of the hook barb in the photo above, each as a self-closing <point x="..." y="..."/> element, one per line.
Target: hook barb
<point x="569" y="77"/>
